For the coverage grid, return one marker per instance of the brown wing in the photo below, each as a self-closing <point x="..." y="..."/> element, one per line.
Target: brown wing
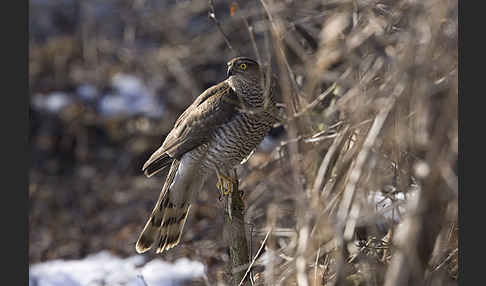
<point x="215" y="106"/>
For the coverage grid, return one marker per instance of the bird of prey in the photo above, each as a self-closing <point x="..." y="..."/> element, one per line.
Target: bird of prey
<point x="214" y="134"/>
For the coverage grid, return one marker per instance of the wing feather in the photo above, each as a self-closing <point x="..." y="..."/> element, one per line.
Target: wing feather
<point x="215" y="106"/>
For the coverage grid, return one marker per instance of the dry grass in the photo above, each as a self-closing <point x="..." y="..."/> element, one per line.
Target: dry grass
<point x="391" y="127"/>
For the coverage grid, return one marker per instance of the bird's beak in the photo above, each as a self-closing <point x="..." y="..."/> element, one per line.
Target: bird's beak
<point x="229" y="71"/>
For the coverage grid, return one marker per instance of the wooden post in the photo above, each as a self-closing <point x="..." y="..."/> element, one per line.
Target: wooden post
<point x="235" y="235"/>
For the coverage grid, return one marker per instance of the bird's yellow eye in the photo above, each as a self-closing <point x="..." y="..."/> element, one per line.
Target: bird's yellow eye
<point x="243" y="66"/>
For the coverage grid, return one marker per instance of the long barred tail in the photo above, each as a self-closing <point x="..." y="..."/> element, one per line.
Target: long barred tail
<point x="164" y="227"/>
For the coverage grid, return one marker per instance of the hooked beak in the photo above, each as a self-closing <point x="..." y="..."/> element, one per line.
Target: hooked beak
<point x="229" y="71"/>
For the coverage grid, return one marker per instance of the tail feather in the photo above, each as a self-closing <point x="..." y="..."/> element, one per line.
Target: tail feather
<point x="172" y="226"/>
<point x="156" y="164"/>
<point x="164" y="227"/>
<point x="152" y="228"/>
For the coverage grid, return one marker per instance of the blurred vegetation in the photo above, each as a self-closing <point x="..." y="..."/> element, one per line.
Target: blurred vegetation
<point x="369" y="90"/>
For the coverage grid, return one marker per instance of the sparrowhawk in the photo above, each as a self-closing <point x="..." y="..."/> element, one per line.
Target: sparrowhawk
<point x="214" y="134"/>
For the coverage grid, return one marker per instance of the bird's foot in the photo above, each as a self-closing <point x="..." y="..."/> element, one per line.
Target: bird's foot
<point x="225" y="184"/>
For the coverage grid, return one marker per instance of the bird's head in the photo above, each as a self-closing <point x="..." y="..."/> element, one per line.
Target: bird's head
<point x="244" y="67"/>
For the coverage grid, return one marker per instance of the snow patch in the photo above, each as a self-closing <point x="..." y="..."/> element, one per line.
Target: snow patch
<point x="131" y="97"/>
<point x="128" y="85"/>
<point x="53" y="102"/>
<point x="87" y="92"/>
<point x="106" y="269"/>
<point x="393" y="205"/>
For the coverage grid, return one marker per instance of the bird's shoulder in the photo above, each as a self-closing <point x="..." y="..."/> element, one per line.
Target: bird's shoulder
<point x="211" y="97"/>
<point x="213" y="107"/>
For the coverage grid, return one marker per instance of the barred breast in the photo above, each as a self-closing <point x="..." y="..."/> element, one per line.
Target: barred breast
<point x="235" y="140"/>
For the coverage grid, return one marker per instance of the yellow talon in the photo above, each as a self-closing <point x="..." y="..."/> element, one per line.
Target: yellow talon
<point x="225" y="183"/>
<point x="219" y="184"/>
<point x="228" y="190"/>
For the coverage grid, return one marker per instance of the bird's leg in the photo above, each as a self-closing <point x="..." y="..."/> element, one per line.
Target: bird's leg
<point x="220" y="184"/>
<point x="225" y="183"/>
